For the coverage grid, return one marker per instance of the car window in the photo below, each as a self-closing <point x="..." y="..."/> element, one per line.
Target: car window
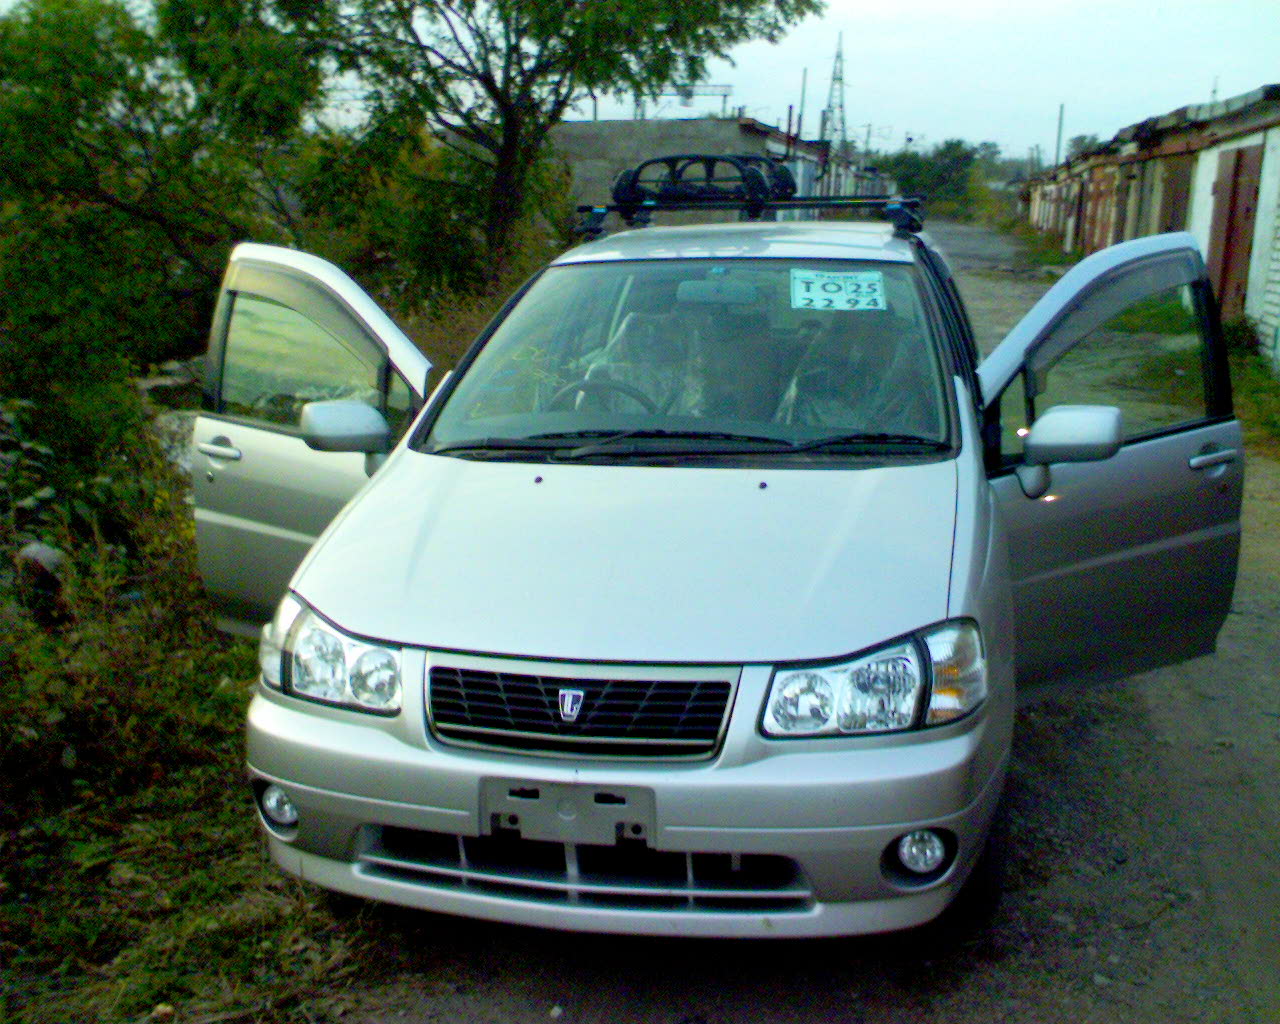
<point x="791" y="349"/>
<point x="401" y="405"/>
<point x="276" y="360"/>
<point x="1149" y="359"/>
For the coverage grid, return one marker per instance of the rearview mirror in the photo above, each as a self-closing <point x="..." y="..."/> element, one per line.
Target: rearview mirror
<point x="717" y="291"/>
<point x="1074" y="433"/>
<point x="344" y="425"/>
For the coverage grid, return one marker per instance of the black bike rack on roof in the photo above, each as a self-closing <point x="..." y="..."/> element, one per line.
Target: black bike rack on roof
<point x="697" y="176"/>
<point x="751" y="184"/>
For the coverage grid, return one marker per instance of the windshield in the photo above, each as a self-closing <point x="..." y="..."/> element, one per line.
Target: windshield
<point x="704" y="355"/>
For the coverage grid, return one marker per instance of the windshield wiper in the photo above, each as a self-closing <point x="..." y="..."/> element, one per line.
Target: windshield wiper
<point x="871" y="440"/>
<point x="608" y="444"/>
<point x="614" y="443"/>
<point x="500" y="444"/>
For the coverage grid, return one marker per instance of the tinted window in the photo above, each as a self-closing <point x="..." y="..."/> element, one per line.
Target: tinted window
<point x="277" y="360"/>
<point x="401" y="405"/>
<point x="1149" y="360"/>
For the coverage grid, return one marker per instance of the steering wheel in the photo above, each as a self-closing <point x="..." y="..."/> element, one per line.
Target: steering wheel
<point x="600" y="384"/>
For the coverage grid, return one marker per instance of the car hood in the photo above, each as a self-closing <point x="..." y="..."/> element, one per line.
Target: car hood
<point x="637" y="564"/>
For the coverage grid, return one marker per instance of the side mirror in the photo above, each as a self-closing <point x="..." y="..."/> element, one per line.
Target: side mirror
<point x="1074" y="433"/>
<point x="1068" y="433"/>
<point x="344" y="425"/>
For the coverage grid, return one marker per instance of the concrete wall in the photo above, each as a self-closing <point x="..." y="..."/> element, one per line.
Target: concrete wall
<point x="598" y="151"/>
<point x="1262" y="302"/>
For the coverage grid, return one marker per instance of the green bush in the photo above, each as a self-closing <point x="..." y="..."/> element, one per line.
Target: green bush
<point x="1256" y="393"/>
<point x="1241" y="336"/>
<point x="115" y="677"/>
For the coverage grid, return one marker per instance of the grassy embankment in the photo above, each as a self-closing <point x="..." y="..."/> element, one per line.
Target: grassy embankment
<point x="1255" y="392"/>
<point x="1040" y="249"/>
<point x="132" y="877"/>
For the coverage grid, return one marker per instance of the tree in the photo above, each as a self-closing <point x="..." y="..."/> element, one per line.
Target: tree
<point x="941" y="175"/>
<point x="492" y="77"/>
<point x="987" y="157"/>
<point x="122" y="188"/>
<point x="1080" y="144"/>
<point x="122" y="182"/>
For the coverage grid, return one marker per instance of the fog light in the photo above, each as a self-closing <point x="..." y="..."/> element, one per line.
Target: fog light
<point x="278" y="808"/>
<point x="921" y="851"/>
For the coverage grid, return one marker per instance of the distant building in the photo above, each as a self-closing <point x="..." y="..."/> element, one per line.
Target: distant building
<point x="1212" y="169"/>
<point x="598" y="151"/>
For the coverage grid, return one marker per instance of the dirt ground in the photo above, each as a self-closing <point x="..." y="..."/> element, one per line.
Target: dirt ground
<point x="1143" y="880"/>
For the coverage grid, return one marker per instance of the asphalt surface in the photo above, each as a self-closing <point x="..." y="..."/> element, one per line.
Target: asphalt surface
<point x="1142" y="874"/>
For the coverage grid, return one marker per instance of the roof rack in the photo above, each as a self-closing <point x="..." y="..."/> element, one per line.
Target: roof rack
<point x="752" y="184"/>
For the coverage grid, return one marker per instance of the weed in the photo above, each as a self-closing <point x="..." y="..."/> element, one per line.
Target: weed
<point x="112" y="907"/>
<point x="122" y="808"/>
<point x="445" y="329"/>
<point x="120" y="679"/>
<point x="1240" y="335"/>
<point x="1256" y="392"/>
<point x="1043" y="249"/>
<point x="1160" y="314"/>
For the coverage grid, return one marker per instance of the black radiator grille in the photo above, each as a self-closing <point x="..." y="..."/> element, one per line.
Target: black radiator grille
<point x="633" y="717"/>
<point x="626" y="876"/>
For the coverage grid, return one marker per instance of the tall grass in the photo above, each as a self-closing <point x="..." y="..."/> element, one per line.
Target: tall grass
<point x="1256" y="393"/>
<point x="131" y="870"/>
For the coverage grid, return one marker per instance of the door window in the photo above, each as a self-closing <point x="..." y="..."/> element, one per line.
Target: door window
<point x="1151" y="359"/>
<point x="276" y="360"/>
<point x="401" y="404"/>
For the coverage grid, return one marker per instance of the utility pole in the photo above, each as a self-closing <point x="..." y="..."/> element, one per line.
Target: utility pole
<point x="1057" y="149"/>
<point x="804" y="82"/>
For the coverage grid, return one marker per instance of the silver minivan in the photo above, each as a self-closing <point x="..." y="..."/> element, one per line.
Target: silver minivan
<point x="693" y="601"/>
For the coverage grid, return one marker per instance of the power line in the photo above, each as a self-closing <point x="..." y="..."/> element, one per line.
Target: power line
<point x="686" y="91"/>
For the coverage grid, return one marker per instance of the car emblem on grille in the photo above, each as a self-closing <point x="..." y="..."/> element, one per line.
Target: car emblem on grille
<point x="571" y="704"/>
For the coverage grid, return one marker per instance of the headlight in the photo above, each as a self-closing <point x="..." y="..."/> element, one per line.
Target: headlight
<point x="878" y="692"/>
<point x="928" y="679"/>
<point x="303" y="655"/>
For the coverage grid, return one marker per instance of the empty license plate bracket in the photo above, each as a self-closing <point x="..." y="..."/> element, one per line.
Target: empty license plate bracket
<point x="566" y="812"/>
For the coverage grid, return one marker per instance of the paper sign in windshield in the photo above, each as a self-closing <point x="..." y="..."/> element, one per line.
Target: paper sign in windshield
<point x="845" y="290"/>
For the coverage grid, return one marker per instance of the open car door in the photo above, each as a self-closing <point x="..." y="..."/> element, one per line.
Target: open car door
<point x="288" y="329"/>
<point x="1127" y="563"/>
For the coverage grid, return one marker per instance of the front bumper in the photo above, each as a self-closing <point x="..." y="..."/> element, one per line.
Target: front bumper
<point x="769" y="839"/>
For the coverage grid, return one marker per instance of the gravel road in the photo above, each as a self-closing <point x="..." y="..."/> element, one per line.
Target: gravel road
<point x="1143" y="880"/>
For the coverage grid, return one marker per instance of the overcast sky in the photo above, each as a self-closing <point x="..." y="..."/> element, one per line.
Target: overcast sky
<point x="983" y="69"/>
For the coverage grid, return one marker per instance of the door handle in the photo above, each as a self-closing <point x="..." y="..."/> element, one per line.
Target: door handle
<point x="219" y="448"/>
<point x="1205" y="460"/>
